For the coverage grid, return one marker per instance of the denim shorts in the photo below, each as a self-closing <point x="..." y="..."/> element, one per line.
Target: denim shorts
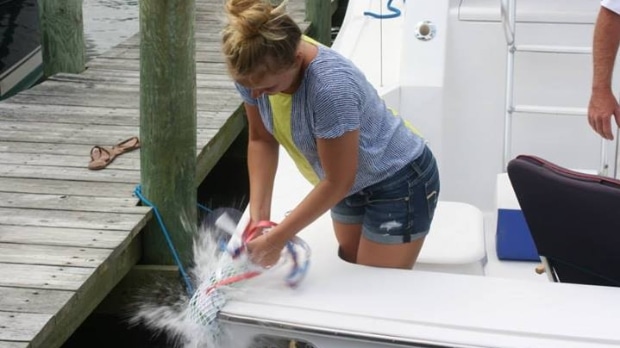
<point x="398" y="209"/>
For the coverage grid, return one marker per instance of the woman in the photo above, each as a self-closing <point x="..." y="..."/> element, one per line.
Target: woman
<point x="375" y="174"/>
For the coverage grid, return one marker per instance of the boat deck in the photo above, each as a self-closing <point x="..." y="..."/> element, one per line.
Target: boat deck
<point x="68" y="235"/>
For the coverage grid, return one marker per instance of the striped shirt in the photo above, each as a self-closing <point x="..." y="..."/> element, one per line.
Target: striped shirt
<point x="333" y="98"/>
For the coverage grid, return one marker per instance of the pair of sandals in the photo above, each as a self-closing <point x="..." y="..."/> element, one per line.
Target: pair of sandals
<point x="101" y="157"/>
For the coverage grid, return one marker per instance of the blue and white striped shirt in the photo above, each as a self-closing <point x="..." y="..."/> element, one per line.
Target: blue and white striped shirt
<point x="333" y="98"/>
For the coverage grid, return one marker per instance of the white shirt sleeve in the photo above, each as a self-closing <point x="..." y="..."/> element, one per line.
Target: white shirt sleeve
<point x="612" y="5"/>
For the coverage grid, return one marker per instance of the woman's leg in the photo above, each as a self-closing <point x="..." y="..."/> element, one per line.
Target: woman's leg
<point x="398" y="215"/>
<point x="348" y="236"/>
<point x="388" y="255"/>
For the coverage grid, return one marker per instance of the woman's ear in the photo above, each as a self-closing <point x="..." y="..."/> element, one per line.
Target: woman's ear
<point x="299" y="58"/>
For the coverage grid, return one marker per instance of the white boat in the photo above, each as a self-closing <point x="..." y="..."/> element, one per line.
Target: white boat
<point x="446" y="66"/>
<point x="21" y="62"/>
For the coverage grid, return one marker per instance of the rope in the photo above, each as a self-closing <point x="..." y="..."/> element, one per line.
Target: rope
<point x="204" y="208"/>
<point x="395" y="12"/>
<point x="232" y="279"/>
<point x="188" y="284"/>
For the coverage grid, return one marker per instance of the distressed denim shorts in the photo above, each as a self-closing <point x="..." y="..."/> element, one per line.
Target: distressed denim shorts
<point x="398" y="209"/>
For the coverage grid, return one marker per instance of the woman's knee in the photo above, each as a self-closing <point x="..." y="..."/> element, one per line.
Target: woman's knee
<point x="348" y="236"/>
<point x="402" y="255"/>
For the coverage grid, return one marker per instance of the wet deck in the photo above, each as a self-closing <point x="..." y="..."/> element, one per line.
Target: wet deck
<point x="68" y="235"/>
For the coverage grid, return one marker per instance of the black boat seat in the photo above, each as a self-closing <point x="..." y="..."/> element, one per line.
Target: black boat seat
<point x="574" y="219"/>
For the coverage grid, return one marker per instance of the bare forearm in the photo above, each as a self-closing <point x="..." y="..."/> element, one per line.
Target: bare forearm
<point x="322" y="198"/>
<point x="339" y="161"/>
<point x="262" y="165"/>
<point x="605" y="48"/>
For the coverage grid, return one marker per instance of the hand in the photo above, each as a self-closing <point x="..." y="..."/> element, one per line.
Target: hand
<point x="603" y="105"/>
<point x="264" y="251"/>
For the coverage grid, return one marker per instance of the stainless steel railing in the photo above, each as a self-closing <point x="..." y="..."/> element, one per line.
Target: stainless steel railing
<point x="508" y="15"/>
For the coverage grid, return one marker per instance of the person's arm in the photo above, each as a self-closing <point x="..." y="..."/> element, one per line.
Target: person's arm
<point x="336" y="100"/>
<point x="603" y="104"/>
<point x="339" y="161"/>
<point x="262" y="164"/>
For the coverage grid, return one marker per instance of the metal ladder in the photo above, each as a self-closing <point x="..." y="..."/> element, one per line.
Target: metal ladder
<point x="508" y="15"/>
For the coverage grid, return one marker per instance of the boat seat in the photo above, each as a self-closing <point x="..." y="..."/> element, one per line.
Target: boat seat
<point x="573" y="219"/>
<point x="455" y="243"/>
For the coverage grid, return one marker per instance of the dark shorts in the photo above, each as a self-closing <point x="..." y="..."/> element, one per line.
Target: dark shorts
<point x="398" y="209"/>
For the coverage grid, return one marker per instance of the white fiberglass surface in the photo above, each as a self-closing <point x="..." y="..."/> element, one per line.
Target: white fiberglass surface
<point x="453" y="87"/>
<point x="373" y="44"/>
<point x="439" y="307"/>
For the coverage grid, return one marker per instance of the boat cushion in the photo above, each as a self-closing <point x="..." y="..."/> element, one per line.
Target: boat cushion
<point x="513" y="238"/>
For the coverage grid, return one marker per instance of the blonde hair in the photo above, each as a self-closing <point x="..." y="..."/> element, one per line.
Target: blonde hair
<point x="258" y="38"/>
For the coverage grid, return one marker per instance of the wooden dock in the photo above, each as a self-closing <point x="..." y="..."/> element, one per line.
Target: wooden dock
<point x="68" y="235"/>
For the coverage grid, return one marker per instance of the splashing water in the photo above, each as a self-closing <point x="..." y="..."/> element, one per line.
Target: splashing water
<point x="166" y="308"/>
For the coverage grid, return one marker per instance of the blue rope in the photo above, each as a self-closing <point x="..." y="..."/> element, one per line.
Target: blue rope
<point x="395" y="12"/>
<point x="204" y="208"/>
<point x="188" y="284"/>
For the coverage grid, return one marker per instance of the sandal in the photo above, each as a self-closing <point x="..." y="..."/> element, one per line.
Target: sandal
<point x="100" y="156"/>
<point x="126" y="146"/>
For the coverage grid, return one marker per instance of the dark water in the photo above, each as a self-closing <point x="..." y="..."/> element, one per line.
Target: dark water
<point x="106" y="24"/>
<point x="19" y="31"/>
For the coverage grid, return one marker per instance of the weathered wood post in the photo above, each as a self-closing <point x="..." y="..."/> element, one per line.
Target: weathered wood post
<point x="319" y="14"/>
<point x="168" y="124"/>
<point x="62" y="36"/>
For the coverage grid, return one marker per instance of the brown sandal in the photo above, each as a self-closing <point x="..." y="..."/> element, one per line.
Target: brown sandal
<point x="126" y="146"/>
<point x="101" y="156"/>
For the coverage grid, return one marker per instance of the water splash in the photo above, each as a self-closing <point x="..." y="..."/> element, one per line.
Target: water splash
<point x="165" y="308"/>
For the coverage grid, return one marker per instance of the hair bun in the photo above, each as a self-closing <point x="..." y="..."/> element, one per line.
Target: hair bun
<point x="249" y="16"/>
<point x="258" y="37"/>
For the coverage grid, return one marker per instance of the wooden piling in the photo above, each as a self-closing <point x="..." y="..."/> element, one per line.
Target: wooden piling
<point x="168" y="125"/>
<point x="319" y="14"/>
<point x="62" y="36"/>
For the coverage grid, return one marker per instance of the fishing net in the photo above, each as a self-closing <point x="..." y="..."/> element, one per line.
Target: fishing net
<point x="234" y="268"/>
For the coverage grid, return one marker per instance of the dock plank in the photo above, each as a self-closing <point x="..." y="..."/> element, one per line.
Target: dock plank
<point x="61" y="236"/>
<point x="96" y="178"/>
<point x="32" y="300"/>
<point x="81" y="161"/>
<point x="21" y="326"/>
<point x="69" y="219"/>
<point x="52" y="255"/>
<point x="10" y="344"/>
<point x="71" y="203"/>
<point x="66" y="187"/>
<point x="94" y="116"/>
<point x="43" y="277"/>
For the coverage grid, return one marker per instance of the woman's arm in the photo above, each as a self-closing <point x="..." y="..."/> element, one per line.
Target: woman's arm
<point x="262" y="165"/>
<point x="339" y="161"/>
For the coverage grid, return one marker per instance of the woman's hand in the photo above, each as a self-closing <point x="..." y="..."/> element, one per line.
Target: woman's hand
<point x="265" y="251"/>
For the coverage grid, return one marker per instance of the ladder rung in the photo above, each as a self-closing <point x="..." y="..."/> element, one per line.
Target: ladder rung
<point x="553" y="49"/>
<point x="549" y="110"/>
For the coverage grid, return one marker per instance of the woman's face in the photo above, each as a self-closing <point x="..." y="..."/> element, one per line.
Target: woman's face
<point x="285" y="81"/>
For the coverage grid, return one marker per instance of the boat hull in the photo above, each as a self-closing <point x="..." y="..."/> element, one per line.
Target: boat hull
<point x="21" y="62"/>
